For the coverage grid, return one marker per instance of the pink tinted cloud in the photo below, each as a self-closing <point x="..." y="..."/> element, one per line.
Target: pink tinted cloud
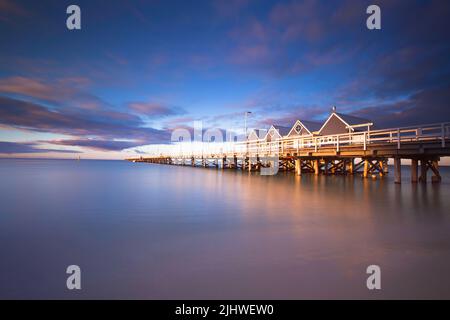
<point x="117" y="59"/>
<point x="64" y="91"/>
<point x="333" y="55"/>
<point x="95" y="144"/>
<point x="267" y="45"/>
<point x="158" y="59"/>
<point x="179" y="122"/>
<point x="250" y="54"/>
<point x="153" y="109"/>
<point x="33" y="88"/>
<point x="105" y="124"/>
<point x="9" y="9"/>
<point x="298" y="20"/>
<point x="349" y="12"/>
<point x="201" y="60"/>
<point x="228" y="8"/>
<point x="311" y="113"/>
<point x="252" y="30"/>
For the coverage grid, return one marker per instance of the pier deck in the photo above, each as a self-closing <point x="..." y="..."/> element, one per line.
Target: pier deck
<point x="364" y="152"/>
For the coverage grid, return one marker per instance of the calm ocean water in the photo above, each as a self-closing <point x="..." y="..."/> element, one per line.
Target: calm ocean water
<point x="154" y="231"/>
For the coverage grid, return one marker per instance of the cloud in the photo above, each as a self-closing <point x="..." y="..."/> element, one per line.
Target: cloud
<point x="296" y="37"/>
<point x="117" y="59"/>
<point x="34" y="88"/>
<point x="96" y="144"/>
<point x="426" y="106"/>
<point x="174" y="123"/>
<point x="299" y="20"/>
<point x="107" y="125"/>
<point x="154" y="110"/>
<point x="251" y="54"/>
<point x="288" y="115"/>
<point x="399" y="76"/>
<point x="311" y="53"/>
<point x="252" y="29"/>
<point x="19" y="147"/>
<point x="9" y="9"/>
<point x="227" y="8"/>
<point x="68" y="91"/>
<point x="63" y="106"/>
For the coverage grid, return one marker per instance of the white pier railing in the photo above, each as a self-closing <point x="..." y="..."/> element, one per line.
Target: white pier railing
<point x="425" y="133"/>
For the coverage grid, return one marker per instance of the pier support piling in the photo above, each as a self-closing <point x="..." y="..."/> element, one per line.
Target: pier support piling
<point x="414" y="170"/>
<point x="385" y="167"/>
<point x="325" y="166"/>
<point x="366" y="168"/>
<point x="316" y="167"/>
<point x="351" y="166"/>
<point x="423" y="171"/>
<point x="381" y="168"/>
<point x="436" y="178"/>
<point x="298" y="167"/>
<point x="398" y="170"/>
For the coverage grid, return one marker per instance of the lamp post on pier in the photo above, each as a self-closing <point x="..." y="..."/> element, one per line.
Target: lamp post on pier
<point x="245" y="122"/>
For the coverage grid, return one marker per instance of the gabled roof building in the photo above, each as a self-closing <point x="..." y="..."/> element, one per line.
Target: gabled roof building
<point x="276" y="132"/>
<point x="257" y="134"/>
<point x="338" y="123"/>
<point x="304" y="128"/>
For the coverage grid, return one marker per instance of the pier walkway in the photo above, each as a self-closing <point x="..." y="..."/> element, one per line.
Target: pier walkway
<point x="363" y="152"/>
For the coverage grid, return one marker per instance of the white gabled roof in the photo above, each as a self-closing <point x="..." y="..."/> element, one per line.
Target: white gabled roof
<point x="310" y="126"/>
<point x="257" y="132"/>
<point x="349" y="121"/>
<point x="280" y="130"/>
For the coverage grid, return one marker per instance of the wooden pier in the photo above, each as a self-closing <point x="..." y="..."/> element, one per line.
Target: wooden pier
<point x="363" y="152"/>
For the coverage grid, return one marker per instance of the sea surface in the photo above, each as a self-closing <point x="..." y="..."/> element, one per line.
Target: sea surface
<point x="164" y="232"/>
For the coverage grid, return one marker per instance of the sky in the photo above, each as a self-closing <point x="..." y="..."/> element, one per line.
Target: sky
<point x="137" y="70"/>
